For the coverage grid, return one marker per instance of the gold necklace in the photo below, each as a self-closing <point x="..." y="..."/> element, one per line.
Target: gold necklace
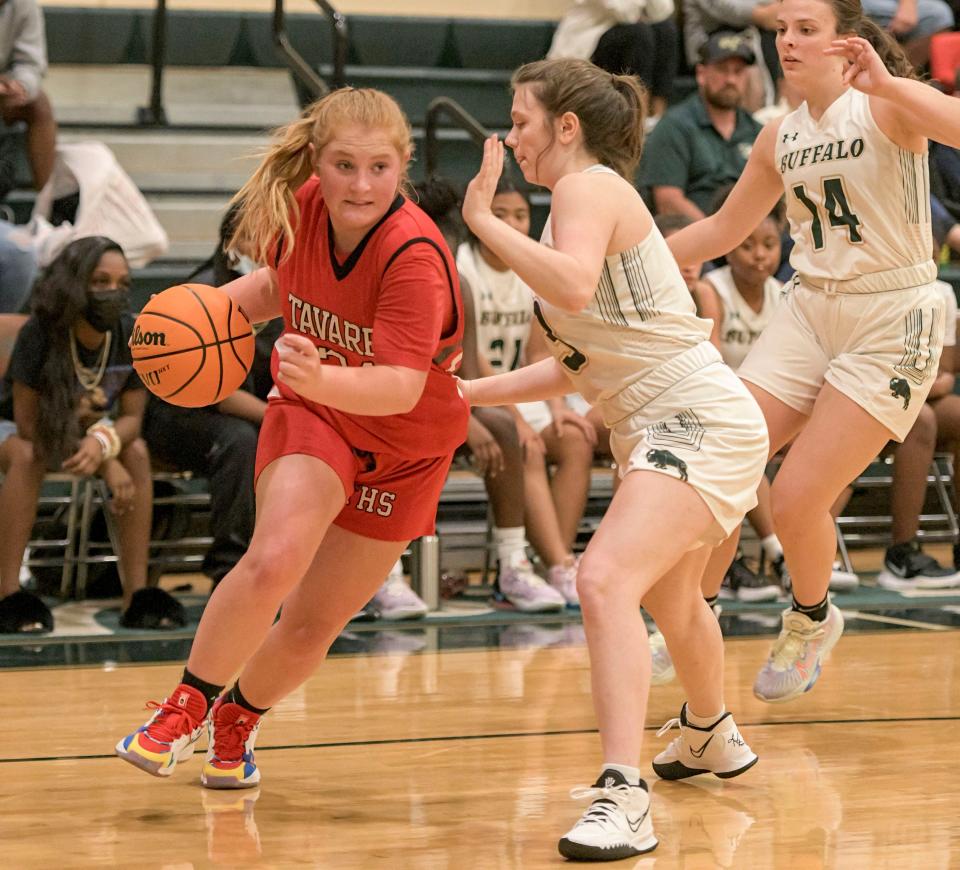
<point x="90" y="379"/>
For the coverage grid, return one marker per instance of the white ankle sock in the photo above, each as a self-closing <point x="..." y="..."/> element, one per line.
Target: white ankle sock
<point x="705" y="722"/>
<point x="772" y="547"/>
<point x="511" y="544"/>
<point x="630" y="774"/>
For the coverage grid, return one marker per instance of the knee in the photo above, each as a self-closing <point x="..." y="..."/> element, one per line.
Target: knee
<point x="20" y="454"/>
<point x="235" y="442"/>
<point x="274" y="566"/>
<point x="573" y="450"/>
<point x="923" y="433"/>
<point x="136" y="457"/>
<point x="599" y="583"/>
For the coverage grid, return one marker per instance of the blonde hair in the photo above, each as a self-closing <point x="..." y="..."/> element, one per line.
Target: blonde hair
<point x="268" y="210"/>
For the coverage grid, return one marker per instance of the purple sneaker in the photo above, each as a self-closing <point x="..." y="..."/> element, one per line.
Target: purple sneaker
<point x="518" y="587"/>
<point x="396" y="600"/>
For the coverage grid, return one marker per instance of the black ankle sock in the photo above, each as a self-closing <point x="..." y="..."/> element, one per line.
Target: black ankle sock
<point x="235" y="696"/>
<point x="209" y="690"/>
<point x="711" y="600"/>
<point x="817" y="612"/>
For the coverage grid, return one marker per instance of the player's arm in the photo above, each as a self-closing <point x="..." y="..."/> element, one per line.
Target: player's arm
<point x="754" y="195"/>
<point x="257" y="294"/>
<point x="542" y="380"/>
<point x="583" y="219"/>
<point x="375" y="391"/>
<point x="906" y="110"/>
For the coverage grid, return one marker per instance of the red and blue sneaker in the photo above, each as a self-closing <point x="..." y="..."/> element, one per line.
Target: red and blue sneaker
<point x="170" y="735"/>
<point x="232" y="731"/>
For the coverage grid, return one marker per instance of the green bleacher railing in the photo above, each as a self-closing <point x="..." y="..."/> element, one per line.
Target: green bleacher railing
<point x="294" y="60"/>
<point x="155" y="114"/>
<point x="460" y="116"/>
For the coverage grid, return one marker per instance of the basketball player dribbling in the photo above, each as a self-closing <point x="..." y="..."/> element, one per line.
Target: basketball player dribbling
<point x="351" y="460"/>
<point x="688" y="439"/>
<point x="850" y="355"/>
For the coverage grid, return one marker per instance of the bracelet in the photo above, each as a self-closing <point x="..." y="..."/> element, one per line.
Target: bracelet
<point x="107" y="438"/>
<point x="103" y="441"/>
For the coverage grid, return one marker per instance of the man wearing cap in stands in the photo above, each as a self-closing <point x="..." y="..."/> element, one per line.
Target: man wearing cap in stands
<point x="703" y="143"/>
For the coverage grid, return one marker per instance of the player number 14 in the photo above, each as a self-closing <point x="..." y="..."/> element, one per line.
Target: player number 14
<point x="837" y="208"/>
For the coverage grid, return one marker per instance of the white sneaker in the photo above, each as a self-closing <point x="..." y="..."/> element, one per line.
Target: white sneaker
<point x="519" y="587"/>
<point x="719" y="750"/>
<point x="616" y="825"/>
<point x="842" y="581"/>
<point x="797" y="655"/>
<point x="396" y="600"/>
<point x="662" y="670"/>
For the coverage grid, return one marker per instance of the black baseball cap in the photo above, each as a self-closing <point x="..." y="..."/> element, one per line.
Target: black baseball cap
<point x="725" y="44"/>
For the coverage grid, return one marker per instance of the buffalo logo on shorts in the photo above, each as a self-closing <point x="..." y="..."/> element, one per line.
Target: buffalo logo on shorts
<point x="664" y="459"/>
<point x="900" y="389"/>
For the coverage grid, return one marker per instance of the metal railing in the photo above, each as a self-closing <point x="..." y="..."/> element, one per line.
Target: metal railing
<point x="463" y="119"/>
<point x="155" y="113"/>
<point x="305" y="74"/>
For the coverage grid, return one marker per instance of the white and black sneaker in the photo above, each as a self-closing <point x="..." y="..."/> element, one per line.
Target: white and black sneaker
<point x="719" y="750"/>
<point x="906" y="566"/>
<point x="744" y="585"/>
<point x="616" y="825"/>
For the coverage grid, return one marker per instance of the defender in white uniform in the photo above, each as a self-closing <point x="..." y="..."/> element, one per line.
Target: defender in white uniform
<point x="688" y="438"/>
<point x="851" y="353"/>
<point x="741" y="326"/>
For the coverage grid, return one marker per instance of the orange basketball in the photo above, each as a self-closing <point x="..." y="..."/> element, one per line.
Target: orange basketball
<point x="192" y="345"/>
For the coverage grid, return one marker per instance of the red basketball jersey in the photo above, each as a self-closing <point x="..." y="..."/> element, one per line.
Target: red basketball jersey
<point x="395" y="300"/>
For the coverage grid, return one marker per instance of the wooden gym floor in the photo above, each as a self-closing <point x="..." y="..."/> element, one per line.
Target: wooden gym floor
<point x="463" y="759"/>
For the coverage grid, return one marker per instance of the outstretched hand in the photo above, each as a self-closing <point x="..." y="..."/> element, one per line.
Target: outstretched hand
<point x="866" y="71"/>
<point x="300" y="364"/>
<point x="480" y="191"/>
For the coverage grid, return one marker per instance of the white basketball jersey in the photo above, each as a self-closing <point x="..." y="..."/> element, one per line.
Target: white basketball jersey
<point x="503" y="308"/>
<point x="741" y="325"/>
<point x="640" y="317"/>
<point x="857" y="202"/>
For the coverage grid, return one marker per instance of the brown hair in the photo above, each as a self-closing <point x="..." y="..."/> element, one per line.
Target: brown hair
<point x="611" y="108"/>
<point x="850" y="19"/>
<point x="268" y="208"/>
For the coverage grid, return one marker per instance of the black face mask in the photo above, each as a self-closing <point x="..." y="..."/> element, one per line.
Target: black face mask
<point x="104" y="309"/>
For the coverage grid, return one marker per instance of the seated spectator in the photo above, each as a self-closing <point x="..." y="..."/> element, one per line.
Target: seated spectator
<point x="905" y="565"/>
<point x="946" y="405"/>
<point x="703" y="143"/>
<point x="624" y="37"/>
<point x="23" y="64"/>
<point x="219" y="442"/>
<point x="756" y="20"/>
<point x="550" y="433"/>
<point x="912" y="22"/>
<point x="71" y="402"/>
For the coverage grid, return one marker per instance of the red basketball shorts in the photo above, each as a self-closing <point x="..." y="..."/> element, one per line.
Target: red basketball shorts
<point x="389" y="498"/>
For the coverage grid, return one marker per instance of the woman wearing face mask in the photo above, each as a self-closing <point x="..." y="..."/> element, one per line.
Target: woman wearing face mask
<point x="71" y="402"/>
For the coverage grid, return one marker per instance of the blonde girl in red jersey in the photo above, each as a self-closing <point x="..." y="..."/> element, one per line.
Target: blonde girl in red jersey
<point x="350" y="462"/>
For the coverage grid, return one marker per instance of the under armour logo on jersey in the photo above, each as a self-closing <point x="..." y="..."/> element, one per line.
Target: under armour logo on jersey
<point x="792" y="138"/>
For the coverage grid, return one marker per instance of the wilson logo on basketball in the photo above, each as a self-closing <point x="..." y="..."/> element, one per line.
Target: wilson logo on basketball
<point x="149" y="339"/>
